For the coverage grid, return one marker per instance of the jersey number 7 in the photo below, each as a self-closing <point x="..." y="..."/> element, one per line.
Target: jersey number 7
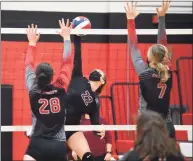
<point x="54" y="104"/>
<point x="163" y="87"/>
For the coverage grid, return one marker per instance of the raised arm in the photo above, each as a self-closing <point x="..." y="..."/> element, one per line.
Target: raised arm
<point x="137" y="60"/>
<point x="161" y="12"/>
<point x="66" y="67"/>
<point x="77" y="68"/>
<point x="30" y="75"/>
<point x="162" y="37"/>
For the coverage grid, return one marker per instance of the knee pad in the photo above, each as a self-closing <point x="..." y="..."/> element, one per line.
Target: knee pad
<point x="88" y="157"/>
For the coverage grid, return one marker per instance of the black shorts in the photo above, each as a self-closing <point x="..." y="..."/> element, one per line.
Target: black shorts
<point x="72" y="119"/>
<point x="46" y="150"/>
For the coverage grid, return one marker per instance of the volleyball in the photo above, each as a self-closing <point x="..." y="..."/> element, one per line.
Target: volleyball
<point x="81" y="22"/>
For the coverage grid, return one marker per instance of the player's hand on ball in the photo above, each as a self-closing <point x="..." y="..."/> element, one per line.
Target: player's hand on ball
<point x="65" y="29"/>
<point x="108" y="157"/>
<point x="74" y="155"/>
<point x="32" y="35"/>
<point x="130" y="10"/>
<point x="164" y="8"/>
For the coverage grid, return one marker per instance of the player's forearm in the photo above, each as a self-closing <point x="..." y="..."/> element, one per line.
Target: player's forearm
<point x="77" y="69"/>
<point x="29" y="66"/>
<point x="67" y="49"/>
<point x="109" y="147"/>
<point x="30" y="55"/>
<point x="162" y="38"/>
<point x="136" y="58"/>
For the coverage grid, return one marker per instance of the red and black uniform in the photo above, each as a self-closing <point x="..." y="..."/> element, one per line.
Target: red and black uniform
<point x="47" y="138"/>
<point x="81" y="98"/>
<point x="154" y="95"/>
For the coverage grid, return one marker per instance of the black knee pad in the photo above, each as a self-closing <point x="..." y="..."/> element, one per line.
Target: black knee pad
<point x="88" y="157"/>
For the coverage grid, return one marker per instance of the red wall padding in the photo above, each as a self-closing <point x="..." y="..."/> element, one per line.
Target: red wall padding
<point x="111" y="58"/>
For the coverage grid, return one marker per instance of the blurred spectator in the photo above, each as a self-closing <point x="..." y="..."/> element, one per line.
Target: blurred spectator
<point x="101" y="148"/>
<point x="152" y="141"/>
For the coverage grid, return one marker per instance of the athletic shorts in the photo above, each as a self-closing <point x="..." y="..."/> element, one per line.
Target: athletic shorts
<point x="72" y="120"/>
<point x="46" y="150"/>
<point x="171" y="130"/>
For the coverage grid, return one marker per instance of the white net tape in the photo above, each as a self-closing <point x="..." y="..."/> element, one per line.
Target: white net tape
<point x="91" y="128"/>
<point x="52" y="31"/>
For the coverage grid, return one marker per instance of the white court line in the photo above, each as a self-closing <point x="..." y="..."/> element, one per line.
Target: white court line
<point x="91" y="128"/>
<point x="52" y="31"/>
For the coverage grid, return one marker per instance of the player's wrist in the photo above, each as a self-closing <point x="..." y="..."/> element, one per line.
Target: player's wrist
<point x="66" y="38"/>
<point x="109" y="152"/>
<point x="32" y="44"/>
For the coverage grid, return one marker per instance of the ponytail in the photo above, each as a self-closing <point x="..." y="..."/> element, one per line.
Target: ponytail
<point x="163" y="71"/>
<point x="42" y="80"/>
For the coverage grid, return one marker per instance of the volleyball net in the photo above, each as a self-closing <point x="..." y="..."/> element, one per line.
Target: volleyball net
<point x="92" y="128"/>
<point x="112" y="58"/>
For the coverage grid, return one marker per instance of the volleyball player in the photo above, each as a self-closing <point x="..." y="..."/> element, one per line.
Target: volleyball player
<point x="47" y="138"/>
<point x="83" y="99"/>
<point x="155" y="77"/>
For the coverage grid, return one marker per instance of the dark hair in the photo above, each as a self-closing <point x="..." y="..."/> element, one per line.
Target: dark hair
<point x="153" y="138"/>
<point x="44" y="74"/>
<point x="96" y="76"/>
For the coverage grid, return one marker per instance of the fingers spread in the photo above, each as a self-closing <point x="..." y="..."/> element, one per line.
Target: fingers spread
<point x="60" y="23"/>
<point x="71" y="25"/>
<point x="63" y="23"/>
<point x="35" y="30"/>
<point x="130" y="7"/>
<point x="125" y="9"/>
<point x="67" y="23"/>
<point x="157" y="10"/>
<point x="134" y="5"/>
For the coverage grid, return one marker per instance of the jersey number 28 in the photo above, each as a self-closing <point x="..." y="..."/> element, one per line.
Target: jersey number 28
<point x="163" y="87"/>
<point x="54" y="104"/>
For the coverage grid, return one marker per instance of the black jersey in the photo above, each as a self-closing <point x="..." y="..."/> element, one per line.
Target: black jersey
<point x="81" y="98"/>
<point x="48" y="108"/>
<point x="155" y="93"/>
<point x="48" y="105"/>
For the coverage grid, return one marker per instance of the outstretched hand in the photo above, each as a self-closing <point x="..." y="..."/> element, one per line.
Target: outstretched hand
<point x="32" y="35"/>
<point x="65" y="28"/>
<point x="164" y="8"/>
<point x="130" y="10"/>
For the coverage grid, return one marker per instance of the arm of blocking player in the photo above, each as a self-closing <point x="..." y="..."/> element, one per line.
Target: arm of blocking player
<point x="77" y="68"/>
<point x="161" y="37"/>
<point x="29" y="67"/>
<point x="138" y="62"/>
<point x="66" y="67"/>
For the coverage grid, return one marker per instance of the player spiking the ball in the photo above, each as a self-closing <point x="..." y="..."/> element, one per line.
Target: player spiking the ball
<point x="83" y="99"/>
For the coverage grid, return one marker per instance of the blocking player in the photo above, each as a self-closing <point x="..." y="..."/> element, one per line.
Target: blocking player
<point x="82" y="99"/>
<point x="155" y="77"/>
<point x="47" y="101"/>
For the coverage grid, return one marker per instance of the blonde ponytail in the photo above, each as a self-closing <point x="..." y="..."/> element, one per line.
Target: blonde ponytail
<point x="163" y="71"/>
